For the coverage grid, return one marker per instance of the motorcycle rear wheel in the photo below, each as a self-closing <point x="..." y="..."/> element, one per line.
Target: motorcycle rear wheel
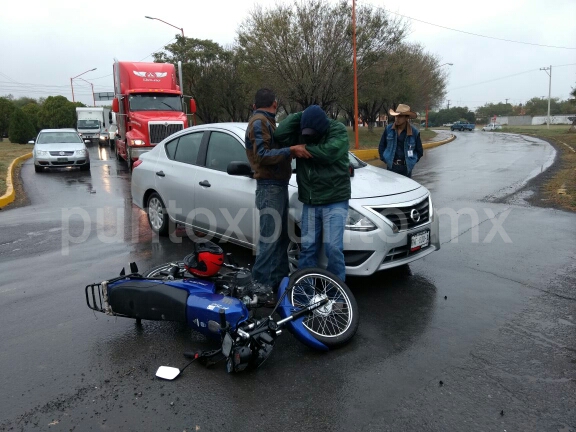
<point x="333" y="324"/>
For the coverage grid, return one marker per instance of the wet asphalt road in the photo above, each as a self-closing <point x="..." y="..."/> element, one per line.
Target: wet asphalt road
<point x="491" y="316"/>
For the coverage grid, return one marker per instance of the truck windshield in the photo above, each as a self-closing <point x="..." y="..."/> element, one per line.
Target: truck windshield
<point x="155" y="102"/>
<point x="88" y="124"/>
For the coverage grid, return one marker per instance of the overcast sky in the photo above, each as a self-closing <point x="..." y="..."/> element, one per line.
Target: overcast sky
<point x="43" y="44"/>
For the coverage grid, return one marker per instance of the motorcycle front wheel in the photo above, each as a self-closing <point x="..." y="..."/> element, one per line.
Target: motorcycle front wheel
<point x="334" y="323"/>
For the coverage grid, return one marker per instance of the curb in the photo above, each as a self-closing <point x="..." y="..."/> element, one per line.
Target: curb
<point x="373" y="153"/>
<point x="10" y="194"/>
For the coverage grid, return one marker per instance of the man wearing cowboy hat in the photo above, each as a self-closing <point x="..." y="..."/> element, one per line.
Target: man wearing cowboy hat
<point x="400" y="146"/>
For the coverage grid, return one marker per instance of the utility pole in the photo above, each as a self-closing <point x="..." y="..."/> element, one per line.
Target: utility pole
<point x="549" y="89"/>
<point x="448" y="104"/>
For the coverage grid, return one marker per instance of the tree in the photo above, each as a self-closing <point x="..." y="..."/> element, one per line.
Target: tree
<point x="32" y="111"/>
<point x="58" y="112"/>
<point x="21" y="129"/>
<point x="206" y="67"/>
<point x="23" y="101"/>
<point x="6" y="109"/>
<point x="309" y="58"/>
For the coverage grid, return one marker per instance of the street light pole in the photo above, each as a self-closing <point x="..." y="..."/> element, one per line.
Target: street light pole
<point x="73" y="78"/>
<point x="158" y="19"/>
<point x="549" y="89"/>
<point x="428" y="102"/>
<point x="93" y="97"/>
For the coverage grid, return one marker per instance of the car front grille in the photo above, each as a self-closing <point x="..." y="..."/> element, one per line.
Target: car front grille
<point x="399" y="253"/>
<point x="61" y="153"/>
<point x="407" y="217"/>
<point x="159" y="131"/>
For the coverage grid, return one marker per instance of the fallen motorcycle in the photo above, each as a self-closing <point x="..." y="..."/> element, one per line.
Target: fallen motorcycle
<point x="218" y="299"/>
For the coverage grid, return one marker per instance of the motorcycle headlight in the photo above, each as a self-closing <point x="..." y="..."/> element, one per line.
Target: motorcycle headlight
<point x="102" y="137"/>
<point x="41" y="153"/>
<point x="81" y="152"/>
<point x="358" y="222"/>
<point x="138" y="142"/>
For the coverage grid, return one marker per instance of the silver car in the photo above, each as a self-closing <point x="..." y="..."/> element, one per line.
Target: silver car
<point x="199" y="178"/>
<point x="60" y="148"/>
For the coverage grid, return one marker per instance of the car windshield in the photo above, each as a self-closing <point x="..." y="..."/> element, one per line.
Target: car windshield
<point x="58" y="138"/>
<point x="155" y="102"/>
<point x="354" y="162"/>
<point x="88" y="124"/>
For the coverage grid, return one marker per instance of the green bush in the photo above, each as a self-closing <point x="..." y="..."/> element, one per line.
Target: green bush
<point x="21" y="128"/>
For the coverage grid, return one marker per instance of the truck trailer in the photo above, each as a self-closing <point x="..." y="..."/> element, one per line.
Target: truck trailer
<point x="148" y="104"/>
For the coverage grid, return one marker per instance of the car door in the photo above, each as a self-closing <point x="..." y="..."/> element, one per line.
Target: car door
<point x="175" y="174"/>
<point x="224" y="204"/>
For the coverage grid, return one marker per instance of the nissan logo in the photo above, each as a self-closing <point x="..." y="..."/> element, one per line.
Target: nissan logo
<point x="415" y="215"/>
<point x="62" y="153"/>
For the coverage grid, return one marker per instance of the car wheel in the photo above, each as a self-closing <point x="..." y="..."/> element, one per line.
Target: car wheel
<point x="157" y="214"/>
<point x="118" y="157"/>
<point x="38" y="169"/>
<point x="129" y="161"/>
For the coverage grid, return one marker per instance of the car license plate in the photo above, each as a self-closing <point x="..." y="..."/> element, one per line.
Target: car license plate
<point x="419" y="240"/>
<point x="62" y="159"/>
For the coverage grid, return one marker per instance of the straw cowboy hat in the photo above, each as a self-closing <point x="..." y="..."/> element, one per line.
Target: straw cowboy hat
<point x="403" y="110"/>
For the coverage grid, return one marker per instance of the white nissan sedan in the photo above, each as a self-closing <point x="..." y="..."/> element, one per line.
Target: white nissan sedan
<point x="200" y="178"/>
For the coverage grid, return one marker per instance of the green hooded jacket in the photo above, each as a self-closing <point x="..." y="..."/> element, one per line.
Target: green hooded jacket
<point x="325" y="178"/>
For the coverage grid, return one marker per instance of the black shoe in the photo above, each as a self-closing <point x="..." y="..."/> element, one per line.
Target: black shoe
<point x="265" y="294"/>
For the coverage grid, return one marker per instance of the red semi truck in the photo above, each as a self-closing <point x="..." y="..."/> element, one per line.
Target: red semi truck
<point x="148" y="104"/>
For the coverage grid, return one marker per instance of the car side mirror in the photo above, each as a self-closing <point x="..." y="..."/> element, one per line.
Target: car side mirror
<point x="239" y="169"/>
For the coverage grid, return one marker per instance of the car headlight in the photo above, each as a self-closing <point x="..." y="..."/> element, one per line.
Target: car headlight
<point x="138" y="142"/>
<point x="358" y="222"/>
<point x="41" y="153"/>
<point x="81" y="152"/>
<point x="430" y="208"/>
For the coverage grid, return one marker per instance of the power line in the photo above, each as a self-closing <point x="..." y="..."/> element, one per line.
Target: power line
<point x="507" y="76"/>
<point x="475" y="34"/>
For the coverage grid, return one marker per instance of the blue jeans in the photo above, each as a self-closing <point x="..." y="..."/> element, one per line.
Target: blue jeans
<point x="271" y="263"/>
<point x="324" y="223"/>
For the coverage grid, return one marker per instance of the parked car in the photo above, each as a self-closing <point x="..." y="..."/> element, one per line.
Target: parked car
<point x="60" y="148"/>
<point x="200" y="178"/>
<point x="492" y="127"/>
<point x="462" y="126"/>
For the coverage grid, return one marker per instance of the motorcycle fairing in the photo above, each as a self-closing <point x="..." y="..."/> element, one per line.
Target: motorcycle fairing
<point x="296" y="326"/>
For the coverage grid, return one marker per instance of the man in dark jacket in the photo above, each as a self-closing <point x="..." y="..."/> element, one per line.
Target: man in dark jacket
<point x="272" y="170"/>
<point x="323" y="184"/>
<point x="400" y="146"/>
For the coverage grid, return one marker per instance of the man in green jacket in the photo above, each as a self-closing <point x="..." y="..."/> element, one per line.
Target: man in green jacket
<point x="323" y="184"/>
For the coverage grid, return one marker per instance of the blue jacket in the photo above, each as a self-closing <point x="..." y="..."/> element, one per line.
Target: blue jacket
<point x="389" y="140"/>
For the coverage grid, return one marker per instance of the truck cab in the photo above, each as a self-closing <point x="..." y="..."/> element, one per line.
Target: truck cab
<point x="148" y="105"/>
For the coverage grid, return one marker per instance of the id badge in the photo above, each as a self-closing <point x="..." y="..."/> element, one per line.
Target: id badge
<point x="410" y="153"/>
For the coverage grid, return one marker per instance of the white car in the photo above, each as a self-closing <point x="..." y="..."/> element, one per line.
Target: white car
<point x="492" y="126"/>
<point x="200" y="178"/>
<point x="60" y="148"/>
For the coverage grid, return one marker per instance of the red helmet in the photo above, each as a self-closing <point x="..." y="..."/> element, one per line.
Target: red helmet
<point x="206" y="260"/>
